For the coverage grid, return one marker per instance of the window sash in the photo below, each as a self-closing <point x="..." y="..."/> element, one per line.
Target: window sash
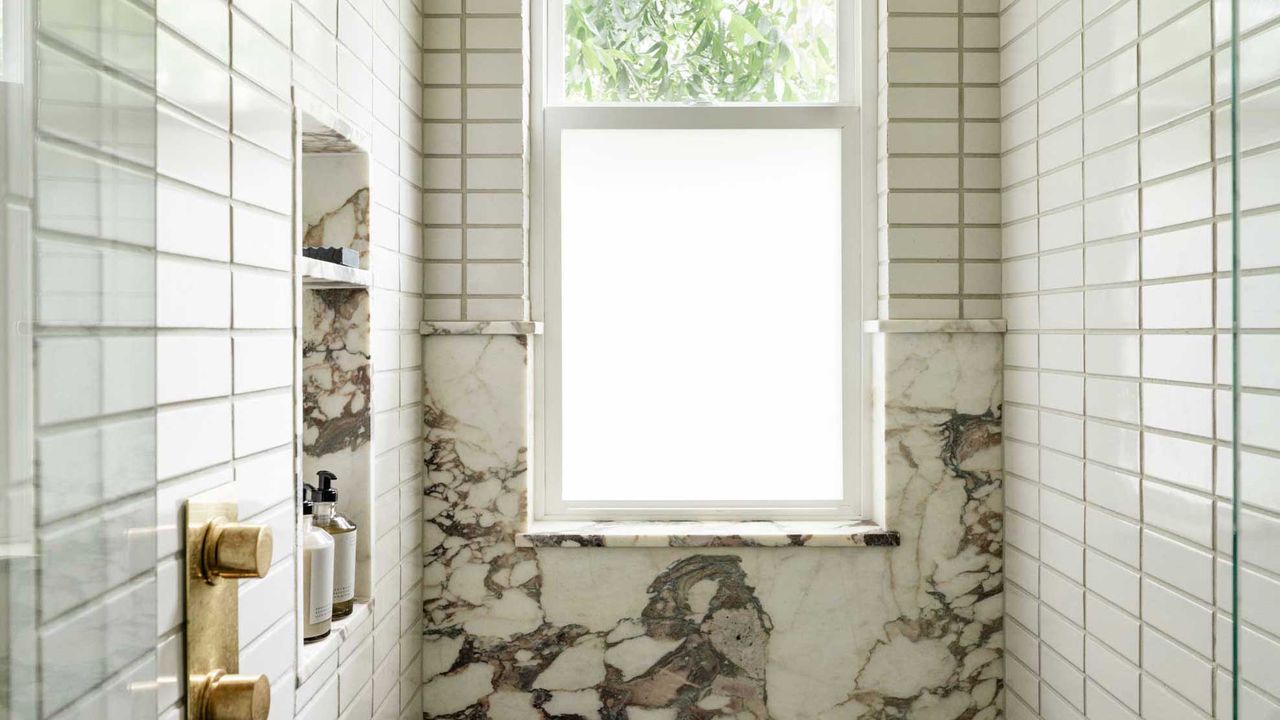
<point x="550" y="115"/>
<point x="858" y="295"/>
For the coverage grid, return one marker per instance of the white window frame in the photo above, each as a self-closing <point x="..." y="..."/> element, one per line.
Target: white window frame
<point x="857" y="57"/>
<point x="13" y="41"/>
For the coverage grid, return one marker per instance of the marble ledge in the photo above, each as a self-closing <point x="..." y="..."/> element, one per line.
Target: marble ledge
<point x="480" y="327"/>
<point x="935" y="326"/>
<point x="530" y="327"/>
<point x="314" y="655"/>
<point x="759" y="533"/>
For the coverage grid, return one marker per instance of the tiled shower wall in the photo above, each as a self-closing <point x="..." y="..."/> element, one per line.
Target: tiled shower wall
<point x="165" y="314"/>
<point x="938" y="149"/>
<point x="521" y="632"/>
<point x="1116" y="205"/>
<point x="474" y="106"/>
<point x="938" y="157"/>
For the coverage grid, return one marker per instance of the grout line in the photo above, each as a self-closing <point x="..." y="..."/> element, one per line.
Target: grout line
<point x="960" y="189"/>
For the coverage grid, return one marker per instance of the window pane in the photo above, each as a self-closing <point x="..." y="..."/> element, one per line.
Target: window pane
<point x="700" y="50"/>
<point x="701" y="315"/>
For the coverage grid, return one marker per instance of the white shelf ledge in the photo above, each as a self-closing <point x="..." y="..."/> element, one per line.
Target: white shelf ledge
<point x="321" y="275"/>
<point x="314" y="655"/>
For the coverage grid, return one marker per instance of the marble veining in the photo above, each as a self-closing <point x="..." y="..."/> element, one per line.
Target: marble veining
<point x="335" y="371"/>
<point x="693" y="633"/>
<point x="323" y="139"/>
<point x="944" y="495"/>
<point x="760" y="533"/>
<point x="480" y="327"/>
<point x="974" y="325"/>
<point x="335" y="202"/>
<point x="345" y="226"/>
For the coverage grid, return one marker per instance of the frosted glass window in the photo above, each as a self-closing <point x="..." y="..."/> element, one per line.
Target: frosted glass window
<point x="701" y="316"/>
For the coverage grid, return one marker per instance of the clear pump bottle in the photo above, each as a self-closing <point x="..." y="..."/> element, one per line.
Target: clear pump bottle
<point x="343" y="531"/>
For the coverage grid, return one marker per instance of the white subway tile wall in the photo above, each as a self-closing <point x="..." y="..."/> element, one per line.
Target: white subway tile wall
<point x="474" y="105"/>
<point x="939" y="159"/>
<point x="165" y="337"/>
<point x="88" y="154"/>
<point x="939" y="179"/>
<point x="1116" y="235"/>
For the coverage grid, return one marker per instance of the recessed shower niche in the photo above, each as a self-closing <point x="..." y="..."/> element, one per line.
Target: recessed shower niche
<point x="336" y="360"/>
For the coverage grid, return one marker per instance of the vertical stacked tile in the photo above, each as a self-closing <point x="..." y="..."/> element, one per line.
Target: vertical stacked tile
<point x="938" y="159"/>
<point x="1116" y="213"/>
<point x="474" y="106"/>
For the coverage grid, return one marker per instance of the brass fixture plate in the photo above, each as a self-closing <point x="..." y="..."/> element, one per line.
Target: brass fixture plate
<point x="219" y="551"/>
<point x="213" y="605"/>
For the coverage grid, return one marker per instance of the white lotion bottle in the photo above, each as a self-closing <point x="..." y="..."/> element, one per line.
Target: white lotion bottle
<point x="317" y="577"/>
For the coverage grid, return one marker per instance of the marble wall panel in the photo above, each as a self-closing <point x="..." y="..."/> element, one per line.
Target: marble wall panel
<point x="747" y="632"/>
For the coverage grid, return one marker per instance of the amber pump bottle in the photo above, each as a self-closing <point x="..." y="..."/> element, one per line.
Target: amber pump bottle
<point x="344" y="543"/>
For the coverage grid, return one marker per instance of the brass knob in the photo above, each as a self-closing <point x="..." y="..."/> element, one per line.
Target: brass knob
<point x="219" y="696"/>
<point x="232" y="550"/>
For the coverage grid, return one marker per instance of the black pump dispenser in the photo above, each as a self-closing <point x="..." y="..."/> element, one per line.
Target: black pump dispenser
<point x="328" y="518"/>
<point x="325" y="490"/>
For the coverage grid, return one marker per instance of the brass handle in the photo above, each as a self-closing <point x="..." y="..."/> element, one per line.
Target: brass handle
<point x="232" y="550"/>
<point x="219" y="696"/>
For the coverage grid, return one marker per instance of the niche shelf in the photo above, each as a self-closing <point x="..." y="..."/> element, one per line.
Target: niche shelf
<point x="334" y="306"/>
<point x="314" y="656"/>
<point x="321" y="275"/>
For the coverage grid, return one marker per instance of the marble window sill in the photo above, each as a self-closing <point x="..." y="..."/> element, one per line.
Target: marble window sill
<point x="651" y="534"/>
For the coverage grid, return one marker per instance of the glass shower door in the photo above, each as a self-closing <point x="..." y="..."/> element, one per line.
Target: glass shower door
<point x="1249" y="409"/>
<point x="79" y="501"/>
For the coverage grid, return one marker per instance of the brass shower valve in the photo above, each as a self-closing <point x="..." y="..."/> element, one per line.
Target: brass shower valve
<point x="221" y="551"/>
<point x="219" y="696"/>
<point x="233" y="550"/>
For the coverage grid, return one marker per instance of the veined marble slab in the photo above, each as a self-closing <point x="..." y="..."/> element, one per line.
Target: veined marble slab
<point x="935" y="326"/>
<point x="480" y="327"/>
<point x="335" y="202"/>
<point x="760" y="533"/>
<point x="911" y="632"/>
<point x="336" y="372"/>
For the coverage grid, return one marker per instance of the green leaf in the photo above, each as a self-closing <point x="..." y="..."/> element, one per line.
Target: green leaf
<point x="741" y="28"/>
<point x="752" y="50"/>
<point x="591" y="58"/>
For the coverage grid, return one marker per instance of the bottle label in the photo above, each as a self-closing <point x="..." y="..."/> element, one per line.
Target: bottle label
<point x="321" y="601"/>
<point x="344" y="567"/>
